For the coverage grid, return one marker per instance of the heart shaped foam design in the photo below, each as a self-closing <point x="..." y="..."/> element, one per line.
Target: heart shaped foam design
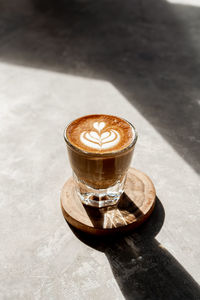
<point x="98" y="140"/>
<point x="99" y="125"/>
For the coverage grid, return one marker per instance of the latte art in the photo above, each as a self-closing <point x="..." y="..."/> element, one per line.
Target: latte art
<point x="100" y="134"/>
<point x="98" y="139"/>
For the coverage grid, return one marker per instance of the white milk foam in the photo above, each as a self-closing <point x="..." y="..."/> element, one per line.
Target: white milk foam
<point x="98" y="140"/>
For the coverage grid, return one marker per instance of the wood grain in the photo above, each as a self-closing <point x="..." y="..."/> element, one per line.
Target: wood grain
<point x="134" y="207"/>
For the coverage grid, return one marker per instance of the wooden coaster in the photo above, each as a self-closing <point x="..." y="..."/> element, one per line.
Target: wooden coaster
<point x="134" y="207"/>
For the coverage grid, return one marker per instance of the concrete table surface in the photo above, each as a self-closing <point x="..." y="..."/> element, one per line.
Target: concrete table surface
<point x="62" y="59"/>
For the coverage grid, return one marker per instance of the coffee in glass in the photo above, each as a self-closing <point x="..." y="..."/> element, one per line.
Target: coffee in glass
<point x="100" y="149"/>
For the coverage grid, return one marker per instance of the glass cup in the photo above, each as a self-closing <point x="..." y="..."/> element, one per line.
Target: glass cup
<point x="100" y="177"/>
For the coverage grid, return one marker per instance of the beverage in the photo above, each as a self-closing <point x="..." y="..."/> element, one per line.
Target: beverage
<point x="100" y="149"/>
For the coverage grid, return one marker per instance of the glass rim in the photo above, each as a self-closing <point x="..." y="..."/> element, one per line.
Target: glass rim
<point x="95" y="154"/>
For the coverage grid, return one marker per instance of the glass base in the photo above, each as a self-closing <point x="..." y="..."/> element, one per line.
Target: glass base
<point x="99" y="197"/>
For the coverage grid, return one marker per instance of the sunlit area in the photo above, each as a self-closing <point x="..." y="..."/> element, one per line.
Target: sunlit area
<point x="99" y="160"/>
<point x="185" y="2"/>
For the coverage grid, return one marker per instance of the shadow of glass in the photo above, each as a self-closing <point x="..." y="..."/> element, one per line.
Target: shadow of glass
<point x="122" y="212"/>
<point x="142" y="268"/>
<point x="142" y="47"/>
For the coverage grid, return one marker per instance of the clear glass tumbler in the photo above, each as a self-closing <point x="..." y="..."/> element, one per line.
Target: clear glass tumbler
<point x="100" y="177"/>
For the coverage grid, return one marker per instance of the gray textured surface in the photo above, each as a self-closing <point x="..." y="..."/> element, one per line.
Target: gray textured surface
<point x="60" y="60"/>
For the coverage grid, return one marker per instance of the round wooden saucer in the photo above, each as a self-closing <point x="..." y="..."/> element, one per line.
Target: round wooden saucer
<point x="134" y="207"/>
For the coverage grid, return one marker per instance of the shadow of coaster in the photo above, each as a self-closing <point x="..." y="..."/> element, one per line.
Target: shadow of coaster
<point x="133" y="208"/>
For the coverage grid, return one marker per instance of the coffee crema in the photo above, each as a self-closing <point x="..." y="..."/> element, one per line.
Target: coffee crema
<point x="100" y="133"/>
